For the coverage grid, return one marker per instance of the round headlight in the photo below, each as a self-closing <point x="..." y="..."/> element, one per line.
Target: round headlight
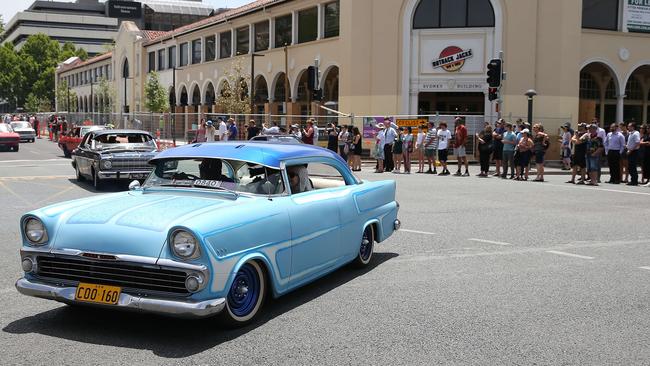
<point x="106" y="164"/>
<point x="193" y="283"/>
<point x="35" y="231"/>
<point x="184" y="245"/>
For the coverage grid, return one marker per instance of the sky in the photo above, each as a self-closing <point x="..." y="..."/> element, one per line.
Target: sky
<point x="10" y="7"/>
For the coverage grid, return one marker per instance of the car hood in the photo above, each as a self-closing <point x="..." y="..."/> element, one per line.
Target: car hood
<point x="9" y="134"/>
<point x="24" y="129"/>
<point x="132" y="223"/>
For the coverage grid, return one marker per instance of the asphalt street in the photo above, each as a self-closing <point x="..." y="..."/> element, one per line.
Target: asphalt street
<point x="485" y="271"/>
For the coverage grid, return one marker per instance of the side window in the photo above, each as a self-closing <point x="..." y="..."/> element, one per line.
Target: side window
<point x="314" y="176"/>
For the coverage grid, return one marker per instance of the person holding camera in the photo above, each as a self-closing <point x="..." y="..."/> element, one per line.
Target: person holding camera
<point x="308" y="133"/>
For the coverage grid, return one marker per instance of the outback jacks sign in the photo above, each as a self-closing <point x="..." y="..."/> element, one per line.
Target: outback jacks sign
<point x="452" y="58"/>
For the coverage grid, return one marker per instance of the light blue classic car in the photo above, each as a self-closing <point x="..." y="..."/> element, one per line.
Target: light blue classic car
<point x="213" y="230"/>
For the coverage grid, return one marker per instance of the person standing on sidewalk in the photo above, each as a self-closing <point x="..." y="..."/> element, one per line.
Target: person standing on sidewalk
<point x="633" y="144"/>
<point x="540" y="144"/>
<point x="444" y="136"/>
<point x="595" y="150"/>
<point x="497" y="138"/>
<point x="407" y="149"/>
<point x="431" y="147"/>
<point x="419" y="148"/>
<point x="579" y="155"/>
<point x="460" y="141"/>
<point x="614" y="146"/>
<point x="644" y="153"/>
<point x="390" y="135"/>
<point x="380" y="140"/>
<point x="397" y="151"/>
<point x="509" y="142"/>
<point x="210" y="132"/>
<point x="565" y="141"/>
<point x="485" y="147"/>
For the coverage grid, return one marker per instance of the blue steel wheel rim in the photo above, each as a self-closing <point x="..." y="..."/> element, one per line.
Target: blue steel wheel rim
<point x="366" y="245"/>
<point x="244" y="292"/>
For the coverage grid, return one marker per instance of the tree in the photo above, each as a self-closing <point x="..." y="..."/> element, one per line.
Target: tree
<point x="11" y="77"/>
<point x="68" y="50"/>
<point x="155" y="95"/>
<point x="2" y="25"/>
<point x="34" y="104"/>
<point x="234" y="95"/>
<point x="66" y="98"/>
<point x="107" y="94"/>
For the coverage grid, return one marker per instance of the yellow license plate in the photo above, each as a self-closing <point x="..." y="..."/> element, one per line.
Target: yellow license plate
<point x="101" y="294"/>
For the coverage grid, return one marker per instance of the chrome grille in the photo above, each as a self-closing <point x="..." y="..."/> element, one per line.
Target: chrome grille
<point x="131" y="277"/>
<point x="130" y="164"/>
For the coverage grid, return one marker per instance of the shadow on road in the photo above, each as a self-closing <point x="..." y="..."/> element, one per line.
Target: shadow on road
<point x="169" y="337"/>
<point x="107" y="186"/>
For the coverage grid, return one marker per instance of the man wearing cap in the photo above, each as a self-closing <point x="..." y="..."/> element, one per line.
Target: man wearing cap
<point x="614" y="147"/>
<point x="633" y="144"/>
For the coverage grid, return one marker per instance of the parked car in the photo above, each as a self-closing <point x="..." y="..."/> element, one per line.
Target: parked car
<point x="8" y="138"/>
<point x="71" y="141"/>
<point x="213" y="230"/>
<point x="25" y="130"/>
<point x="286" y="139"/>
<point x="113" y="155"/>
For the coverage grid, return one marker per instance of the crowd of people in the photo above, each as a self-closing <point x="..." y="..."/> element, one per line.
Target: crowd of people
<point x="513" y="148"/>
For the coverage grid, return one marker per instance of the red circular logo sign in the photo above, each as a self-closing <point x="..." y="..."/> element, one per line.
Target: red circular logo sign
<point x="452" y="66"/>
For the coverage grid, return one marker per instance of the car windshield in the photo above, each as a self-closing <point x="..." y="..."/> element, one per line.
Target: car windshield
<point x="86" y="129"/>
<point x="5" y="128"/>
<point x="129" y="141"/>
<point x="20" y="125"/>
<point x="230" y="175"/>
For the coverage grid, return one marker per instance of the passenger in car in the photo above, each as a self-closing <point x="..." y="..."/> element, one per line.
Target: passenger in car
<point x="299" y="179"/>
<point x="210" y="169"/>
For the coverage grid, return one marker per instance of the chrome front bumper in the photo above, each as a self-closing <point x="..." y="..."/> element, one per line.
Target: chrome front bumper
<point x="176" y="308"/>
<point x="123" y="174"/>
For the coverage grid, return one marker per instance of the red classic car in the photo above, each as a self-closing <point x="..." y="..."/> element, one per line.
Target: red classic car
<point x="8" y="138"/>
<point x="71" y="141"/>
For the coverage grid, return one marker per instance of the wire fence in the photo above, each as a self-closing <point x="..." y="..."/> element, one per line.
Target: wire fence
<point x="183" y="128"/>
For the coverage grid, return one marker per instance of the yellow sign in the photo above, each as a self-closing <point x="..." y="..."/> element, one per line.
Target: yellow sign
<point x="412" y="122"/>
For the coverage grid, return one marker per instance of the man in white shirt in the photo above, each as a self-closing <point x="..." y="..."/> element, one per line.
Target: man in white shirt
<point x="316" y="132"/>
<point x="444" y="135"/>
<point x="614" y="147"/>
<point x="273" y="130"/>
<point x="223" y="130"/>
<point x="390" y="135"/>
<point x="633" y="144"/>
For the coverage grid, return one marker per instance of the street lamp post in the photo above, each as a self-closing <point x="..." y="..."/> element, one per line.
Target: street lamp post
<point x="92" y="102"/>
<point x="253" y="55"/>
<point x="174" y="106"/>
<point x="530" y="94"/>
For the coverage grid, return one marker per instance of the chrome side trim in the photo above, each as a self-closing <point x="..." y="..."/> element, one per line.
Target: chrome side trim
<point x="176" y="308"/>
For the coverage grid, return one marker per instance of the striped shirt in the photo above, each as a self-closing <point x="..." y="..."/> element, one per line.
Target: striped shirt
<point x="431" y="140"/>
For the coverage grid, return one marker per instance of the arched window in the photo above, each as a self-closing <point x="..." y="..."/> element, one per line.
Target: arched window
<point x="453" y="14"/>
<point x="589" y="89"/>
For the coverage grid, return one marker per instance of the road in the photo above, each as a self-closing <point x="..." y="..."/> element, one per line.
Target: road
<point x="485" y="271"/>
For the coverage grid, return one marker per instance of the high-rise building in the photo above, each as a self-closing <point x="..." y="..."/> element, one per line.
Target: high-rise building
<point x="91" y="24"/>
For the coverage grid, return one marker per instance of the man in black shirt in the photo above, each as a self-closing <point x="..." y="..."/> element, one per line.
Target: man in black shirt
<point x="252" y="130"/>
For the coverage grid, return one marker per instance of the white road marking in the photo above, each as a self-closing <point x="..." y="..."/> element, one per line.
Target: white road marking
<point x="599" y="189"/>
<point x="490" y="242"/>
<point x="648" y="268"/>
<point x="32" y="177"/>
<point x="31" y="161"/>
<point x="569" y="254"/>
<point x="417" y="232"/>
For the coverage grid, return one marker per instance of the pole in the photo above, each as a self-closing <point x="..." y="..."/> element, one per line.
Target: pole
<point x="252" y="90"/>
<point x="530" y="110"/>
<point x="68" y="99"/>
<point x="174" y="107"/>
<point x="286" y="74"/>
<point x="92" y="102"/>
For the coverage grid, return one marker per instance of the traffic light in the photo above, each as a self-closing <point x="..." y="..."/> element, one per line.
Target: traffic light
<point x="317" y="95"/>
<point x="494" y="73"/>
<point x="493" y="94"/>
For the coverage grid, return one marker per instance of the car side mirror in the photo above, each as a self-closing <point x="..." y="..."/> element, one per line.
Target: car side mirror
<point x="134" y="185"/>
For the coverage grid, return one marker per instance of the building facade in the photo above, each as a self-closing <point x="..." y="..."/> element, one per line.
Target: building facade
<point x="584" y="59"/>
<point x="91" y="25"/>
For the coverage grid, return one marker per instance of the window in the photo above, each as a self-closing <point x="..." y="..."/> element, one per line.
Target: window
<point x="184" y="54"/>
<point x="261" y="30"/>
<point x="589" y="89"/>
<point x="332" y="19"/>
<point x="225" y="44"/>
<point x="313" y="176"/>
<point x="161" y="59"/>
<point x="152" y="61"/>
<point x="283" y="31"/>
<point x="210" y="50"/>
<point x="171" y="57"/>
<point x="307" y="25"/>
<point x="453" y="14"/>
<point x="600" y="14"/>
<point x="243" y="40"/>
<point x="196" y="51"/>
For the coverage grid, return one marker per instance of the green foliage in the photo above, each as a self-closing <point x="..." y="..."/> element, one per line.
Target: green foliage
<point x="65" y="96"/>
<point x="31" y="70"/>
<point x="234" y="95"/>
<point x="34" y="104"/>
<point x="155" y="95"/>
<point x="107" y="96"/>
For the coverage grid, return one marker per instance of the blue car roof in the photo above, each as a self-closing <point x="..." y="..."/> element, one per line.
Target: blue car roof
<point x="270" y="154"/>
